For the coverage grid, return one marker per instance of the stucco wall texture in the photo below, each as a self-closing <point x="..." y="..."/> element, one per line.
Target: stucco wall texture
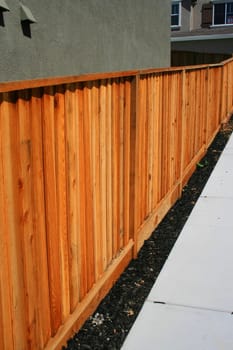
<point x="73" y="37"/>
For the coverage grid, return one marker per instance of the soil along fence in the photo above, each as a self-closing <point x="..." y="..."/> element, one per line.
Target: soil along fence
<point x="89" y="166"/>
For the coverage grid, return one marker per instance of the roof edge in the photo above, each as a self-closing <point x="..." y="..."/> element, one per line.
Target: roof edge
<point x="202" y="37"/>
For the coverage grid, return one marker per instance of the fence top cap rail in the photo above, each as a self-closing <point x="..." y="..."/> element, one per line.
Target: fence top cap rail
<point x="52" y="81"/>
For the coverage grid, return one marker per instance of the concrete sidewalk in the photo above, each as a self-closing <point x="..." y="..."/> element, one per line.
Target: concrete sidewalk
<point x="190" y="306"/>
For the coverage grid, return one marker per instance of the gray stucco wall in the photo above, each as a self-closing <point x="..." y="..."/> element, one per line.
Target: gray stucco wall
<point x="73" y="37"/>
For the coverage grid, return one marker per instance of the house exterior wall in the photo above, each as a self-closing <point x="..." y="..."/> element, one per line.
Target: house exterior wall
<point x="201" y="36"/>
<point x="84" y="36"/>
<point x="185" y="15"/>
<point x="191" y="15"/>
<point x="197" y="14"/>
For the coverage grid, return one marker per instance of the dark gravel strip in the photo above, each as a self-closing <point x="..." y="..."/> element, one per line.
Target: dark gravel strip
<point x="111" y="322"/>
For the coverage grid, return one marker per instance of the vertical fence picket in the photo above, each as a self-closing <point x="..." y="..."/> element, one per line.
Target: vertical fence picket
<point x="159" y="119"/>
<point x="43" y="321"/>
<point x="26" y="213"/>
<point x="81" y="194"/>
<point x="60" y="156"/>
<point x="6" y="302"/>
<point x="51" y="203"/>
<point x="122" y="117"/>
<point x="109" y="151"/>
<point x="223" y="93"/>
<point x="151" y="139"/>
<point x="95" y="162"/>
<point x="126" y="162"/>
<point x="142" y="156"/>
<point x="115" y="167"/>
<point x="164" y="136"/>
<point x="230" y="86"/>
<point x="88" y="187"/>
<point x="133" y="208"/>
<point x="182" y="127"/>
<point x="72" y="188"/>
<point x="13" y="186"/>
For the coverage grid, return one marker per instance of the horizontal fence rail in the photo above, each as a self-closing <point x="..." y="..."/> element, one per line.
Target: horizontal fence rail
<point x="89" y="166"/>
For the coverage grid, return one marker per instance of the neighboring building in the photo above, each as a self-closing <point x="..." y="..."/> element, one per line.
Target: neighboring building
<point x="202" y="26"/>
<point x="73" y="37"/>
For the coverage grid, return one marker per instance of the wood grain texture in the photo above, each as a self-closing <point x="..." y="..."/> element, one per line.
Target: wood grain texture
<point x="6" y="297"/>
<point x="72" y="142"/>
<point x="89" y="166"/>
<point x="61" y="175"/>
<point x="51" y="206"/>
<point x="43" y="319"/>
<point x="13" y="186"/>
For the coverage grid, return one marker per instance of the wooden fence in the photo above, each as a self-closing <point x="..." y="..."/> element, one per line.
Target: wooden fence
<point x="89" y="166"/>
<point x="185" y="58"/>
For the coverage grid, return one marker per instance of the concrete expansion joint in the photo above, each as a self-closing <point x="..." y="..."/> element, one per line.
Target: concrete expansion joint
<point x="159" y="302"/>
<point x="190" y="307"/>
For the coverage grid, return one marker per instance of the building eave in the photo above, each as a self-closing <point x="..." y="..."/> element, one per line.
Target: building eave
<point x="201" y="37"/>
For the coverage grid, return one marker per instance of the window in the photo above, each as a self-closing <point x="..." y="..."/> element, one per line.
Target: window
<point x="223" y="13"/>
<point x="175" y="14"/>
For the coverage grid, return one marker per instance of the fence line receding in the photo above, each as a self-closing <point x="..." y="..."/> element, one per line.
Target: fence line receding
<point x="89" y="166"/>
